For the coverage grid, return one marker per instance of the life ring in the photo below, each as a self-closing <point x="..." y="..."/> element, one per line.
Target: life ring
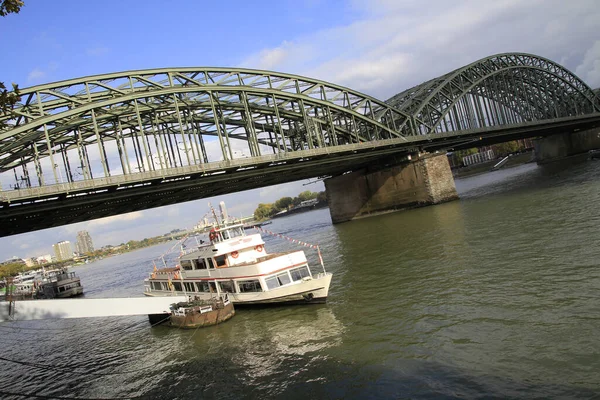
<point x="235" y="254"/>
<point x="259" y="248"/>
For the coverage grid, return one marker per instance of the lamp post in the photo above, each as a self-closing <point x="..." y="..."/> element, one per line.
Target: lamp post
<point x="60" y="178"/>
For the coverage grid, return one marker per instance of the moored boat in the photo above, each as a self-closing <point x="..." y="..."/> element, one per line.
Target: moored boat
<point x="198" y="313"/>
<point x="44" y="284"/>
<point x="59" y="284"/>
<point x="238" y="265"/>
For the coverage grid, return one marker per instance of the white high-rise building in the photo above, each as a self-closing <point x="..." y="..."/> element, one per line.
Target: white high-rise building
<point x="84" y="242"/>
<point x="223" y="209"/>
<point x="63" y="250"/>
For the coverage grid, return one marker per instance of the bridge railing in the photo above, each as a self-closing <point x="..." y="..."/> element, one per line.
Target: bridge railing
<point x="181" y="173"/>
<point x="407" y="144"/>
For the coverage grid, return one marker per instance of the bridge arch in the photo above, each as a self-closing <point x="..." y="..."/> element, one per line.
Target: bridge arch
<point x="146" y="115"/>
<point x="502" y="89"/>
<point x="109" y="144"/>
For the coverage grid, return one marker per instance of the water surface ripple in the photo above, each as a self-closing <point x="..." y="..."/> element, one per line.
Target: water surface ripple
<point x="492" y="296"/>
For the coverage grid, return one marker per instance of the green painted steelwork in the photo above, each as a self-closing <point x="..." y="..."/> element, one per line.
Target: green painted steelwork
<point x="497" y="90"/>
<point x="113" y="143"/>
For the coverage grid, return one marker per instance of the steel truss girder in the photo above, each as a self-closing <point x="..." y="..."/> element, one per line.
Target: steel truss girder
<point x="158" y="119"/>
<point x="64" y="111"/>
<point x="536" y="84"/>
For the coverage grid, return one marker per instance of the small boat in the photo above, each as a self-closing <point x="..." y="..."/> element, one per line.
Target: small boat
<point x="197" y="313"/>
<point x="22" y="286"/>
<point x="257" y="224"/>
<point x="44" y="284"/>
<point x="58" y="284"/>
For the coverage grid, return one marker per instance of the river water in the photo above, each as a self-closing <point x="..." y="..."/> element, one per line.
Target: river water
<point x="493" y="296"/>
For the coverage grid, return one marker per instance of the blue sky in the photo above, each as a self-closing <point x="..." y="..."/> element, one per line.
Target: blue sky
<point x="379" y="47"/>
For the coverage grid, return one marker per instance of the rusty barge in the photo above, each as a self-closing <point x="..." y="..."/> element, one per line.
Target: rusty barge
<point x="197" y="313"/>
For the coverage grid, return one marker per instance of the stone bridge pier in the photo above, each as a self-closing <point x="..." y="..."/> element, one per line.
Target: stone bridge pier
<point x="557" y="147"/>
<point x="423" y="180"/>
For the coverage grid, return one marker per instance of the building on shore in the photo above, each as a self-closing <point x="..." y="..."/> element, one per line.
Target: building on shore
<point x="30" y="262"/>
<point x="224" y="216"/>
<point x="45" y="259"/>
<point x="63" y="250"/>
<point x="13" y="260"/>
<point x="84" y="242"/>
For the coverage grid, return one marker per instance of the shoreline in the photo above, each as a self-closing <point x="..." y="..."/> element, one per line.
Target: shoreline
<point x="482" y="168"/>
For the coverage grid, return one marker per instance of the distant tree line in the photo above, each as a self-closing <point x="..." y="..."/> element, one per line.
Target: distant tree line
<point x="11" y="269"/>
<point x="129" y="246"/>
<point x="267" y="210"/>
<point x="14" y="268"/>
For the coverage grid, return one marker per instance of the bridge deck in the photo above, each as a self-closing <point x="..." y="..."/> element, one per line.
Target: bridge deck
<point x="84" y="308"/>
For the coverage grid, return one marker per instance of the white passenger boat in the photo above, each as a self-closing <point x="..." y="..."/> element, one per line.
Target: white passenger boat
<point x="239" y="265"/>
<point x="59" y="284"/>
<point x="45" y="284"/>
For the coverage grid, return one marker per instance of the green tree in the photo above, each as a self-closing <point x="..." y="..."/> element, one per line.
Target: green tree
<point x="283" y="203"/>
<point x="263" y="211"/>
<point x="503" y="149"/>
<point x="306" y="195"/>
<point x="460" y="154"/>
<point x="9" y="99"/>
<point x="11" y="269"/>
<point x="10" y="6"/>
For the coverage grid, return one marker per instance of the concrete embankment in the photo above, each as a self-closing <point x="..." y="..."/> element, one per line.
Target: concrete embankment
<point x="82" y="308"/>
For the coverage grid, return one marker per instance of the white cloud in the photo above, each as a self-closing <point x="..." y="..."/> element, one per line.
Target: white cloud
<point x="268" y="58"/>
<point x="117" y="218"/>
<point x="35" y="75"/>
<point x="173" y="211"/>
<point x="97" y="51"/>
<point x="101" y="223"/>
<point x="286" y="55"/>
<point x="589" y="69"/>
<point x="397" y="44"/>
<point x="29" y="244"/>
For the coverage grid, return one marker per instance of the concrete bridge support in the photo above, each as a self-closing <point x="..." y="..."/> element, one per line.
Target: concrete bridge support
<point x="556" y="147"/>
<point x="417" y="183"/>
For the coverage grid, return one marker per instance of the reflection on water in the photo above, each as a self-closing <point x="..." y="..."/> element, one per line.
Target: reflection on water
<point x="494" y="295"/>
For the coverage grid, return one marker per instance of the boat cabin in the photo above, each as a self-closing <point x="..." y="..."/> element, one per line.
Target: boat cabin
<point x="220" y="234"/>
<point x="229" y="246"/>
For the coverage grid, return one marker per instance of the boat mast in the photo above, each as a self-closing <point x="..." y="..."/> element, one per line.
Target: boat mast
<point x="214" y="213"/>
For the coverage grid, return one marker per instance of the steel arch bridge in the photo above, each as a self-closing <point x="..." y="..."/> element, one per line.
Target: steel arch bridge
<point x="502" y="89"/>
<point x="114" y="143"/>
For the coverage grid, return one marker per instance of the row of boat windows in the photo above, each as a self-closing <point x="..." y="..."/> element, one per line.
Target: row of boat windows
<point x="204" y="263"/>
<point x="210" y="287"/>
<point x="251" y="285"/>
<point x="69" y="286"/>
<point x="283" y="278"/>
<point x="219" y="236"/>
